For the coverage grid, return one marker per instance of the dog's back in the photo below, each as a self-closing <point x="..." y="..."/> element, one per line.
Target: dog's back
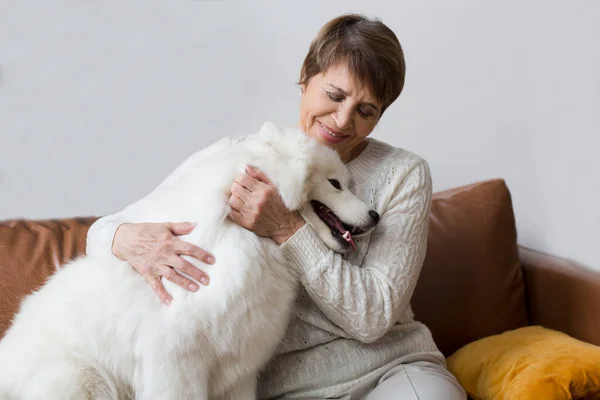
<point x="97" y="328"/>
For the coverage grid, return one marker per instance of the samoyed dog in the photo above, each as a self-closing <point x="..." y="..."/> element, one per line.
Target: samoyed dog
<point x="96" y="330"/>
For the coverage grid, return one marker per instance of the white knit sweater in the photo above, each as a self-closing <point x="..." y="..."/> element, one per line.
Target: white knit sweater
<point x="353" y="318"/>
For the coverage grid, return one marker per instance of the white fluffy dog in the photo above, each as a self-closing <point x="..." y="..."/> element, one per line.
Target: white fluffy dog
<point x="96" y="330"/>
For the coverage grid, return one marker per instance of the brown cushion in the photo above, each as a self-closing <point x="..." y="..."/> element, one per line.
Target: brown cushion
<point x="471" y="285"/>
<point x="30" y="251"/>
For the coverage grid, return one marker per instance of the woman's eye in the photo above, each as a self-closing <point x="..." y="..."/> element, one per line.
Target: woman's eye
<point x="335" y="97"/>
<point x="335" y="183"/>
<point x="364" y="113"/>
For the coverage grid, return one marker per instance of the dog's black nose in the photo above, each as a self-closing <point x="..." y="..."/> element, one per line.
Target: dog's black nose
<point x="374" y="215"/>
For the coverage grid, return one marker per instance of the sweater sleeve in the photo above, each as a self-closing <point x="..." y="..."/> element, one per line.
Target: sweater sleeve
<point x="100" y="236"/>
<point x="365" y="301"/>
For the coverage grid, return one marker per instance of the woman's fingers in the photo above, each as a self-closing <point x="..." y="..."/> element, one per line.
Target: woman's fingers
<point x="180" y="228"/>
<point x="257" y="174"/>
<point x="235" y="202"/>
<point x="237" y="217"/>
<point x="155" y="251"/>
<point x="187" y="249"/>
<point x="172" y="275"/>
<point x="187" y="268"/>
<point x="240" y="191"/>
<point x="156" y="284"/>
<point x="245" y="181"/>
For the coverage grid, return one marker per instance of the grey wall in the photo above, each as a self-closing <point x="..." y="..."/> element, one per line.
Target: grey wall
<point x="99" y="101"/>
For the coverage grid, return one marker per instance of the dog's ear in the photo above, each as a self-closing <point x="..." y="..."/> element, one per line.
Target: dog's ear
<point x="269" y="128"/>
<point x="292" y="169"/>
<point x="293" y="182"/>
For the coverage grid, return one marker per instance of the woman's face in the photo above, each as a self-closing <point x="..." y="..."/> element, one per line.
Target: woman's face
<point x="339" y="111"/>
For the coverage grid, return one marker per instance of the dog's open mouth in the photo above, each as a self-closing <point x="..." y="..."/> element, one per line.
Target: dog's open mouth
<point x="338" y="228"/>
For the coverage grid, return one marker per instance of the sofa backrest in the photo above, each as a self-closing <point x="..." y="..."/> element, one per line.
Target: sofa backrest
<point x="30" y="251"/>
<point x="471" y="285"/>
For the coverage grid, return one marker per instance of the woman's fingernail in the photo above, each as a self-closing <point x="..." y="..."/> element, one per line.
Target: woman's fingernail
<point x="193" y="287"/>
<point x="204" y="280"/>
<point x="210" y="260"/>
<point x="168" y="301"/>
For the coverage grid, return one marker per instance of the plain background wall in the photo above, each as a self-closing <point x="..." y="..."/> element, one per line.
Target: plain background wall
<point x="99" y="101"/>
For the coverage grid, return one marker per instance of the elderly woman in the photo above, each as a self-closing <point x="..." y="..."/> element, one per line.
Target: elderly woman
<point x="353" y="335"/>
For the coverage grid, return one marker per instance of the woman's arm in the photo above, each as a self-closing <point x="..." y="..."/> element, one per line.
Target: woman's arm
<point x="365" y="301"/>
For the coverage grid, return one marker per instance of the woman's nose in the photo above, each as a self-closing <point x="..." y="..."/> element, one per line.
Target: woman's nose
<point x="343" y="119"/>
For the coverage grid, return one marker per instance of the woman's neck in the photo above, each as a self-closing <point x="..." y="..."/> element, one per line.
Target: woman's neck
<point x="354" y="151"/>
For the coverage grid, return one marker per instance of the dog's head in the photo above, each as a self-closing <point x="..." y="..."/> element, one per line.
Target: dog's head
<point x="312" y="179"/>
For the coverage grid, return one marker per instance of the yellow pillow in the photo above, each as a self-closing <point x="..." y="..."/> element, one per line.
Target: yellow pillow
<point x="531" y="363"/>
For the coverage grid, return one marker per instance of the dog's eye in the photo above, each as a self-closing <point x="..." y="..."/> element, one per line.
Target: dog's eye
<point x="335" y="183"/>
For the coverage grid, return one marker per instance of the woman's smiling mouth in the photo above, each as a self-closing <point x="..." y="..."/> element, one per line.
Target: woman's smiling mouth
<point x="330" y="135"/>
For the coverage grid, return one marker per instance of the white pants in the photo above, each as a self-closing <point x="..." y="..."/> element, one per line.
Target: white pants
<point x="421" y="380"/>
<point x="417" y="381"/>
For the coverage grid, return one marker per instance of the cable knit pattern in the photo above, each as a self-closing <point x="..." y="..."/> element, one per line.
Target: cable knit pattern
<point x="366" y="301"/>
<point x="353" y="319"/>
<point x="353" y="316"/>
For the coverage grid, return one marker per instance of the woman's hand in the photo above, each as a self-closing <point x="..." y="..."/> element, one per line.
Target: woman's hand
<point x="257" y="206"/>
<point x="154" y="251"/>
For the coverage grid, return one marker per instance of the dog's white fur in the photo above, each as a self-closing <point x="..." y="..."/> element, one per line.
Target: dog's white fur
<point x="95" y="330"/>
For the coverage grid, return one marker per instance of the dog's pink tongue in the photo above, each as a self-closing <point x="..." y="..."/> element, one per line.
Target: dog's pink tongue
<point x="345" y="234"/>
<point x="348" y="238"/>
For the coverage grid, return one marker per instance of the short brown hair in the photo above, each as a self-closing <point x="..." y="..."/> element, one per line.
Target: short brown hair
<point x="371" y="50"/>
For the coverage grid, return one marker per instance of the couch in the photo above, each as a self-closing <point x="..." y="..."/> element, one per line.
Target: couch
<point x="476" y="281"/>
